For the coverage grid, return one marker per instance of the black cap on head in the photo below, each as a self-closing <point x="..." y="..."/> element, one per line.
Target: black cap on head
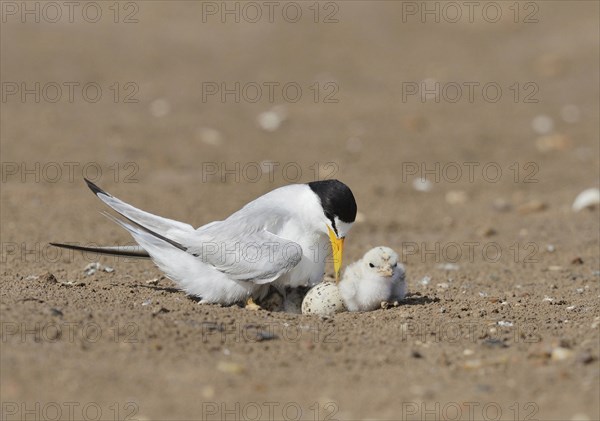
<point x="336" y="198"/>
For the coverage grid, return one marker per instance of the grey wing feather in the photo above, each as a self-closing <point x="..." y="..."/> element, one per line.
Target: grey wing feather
<point x="260" y="257"/>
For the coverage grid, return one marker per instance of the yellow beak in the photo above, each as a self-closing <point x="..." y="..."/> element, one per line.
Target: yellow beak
<point x="337" y="246"/>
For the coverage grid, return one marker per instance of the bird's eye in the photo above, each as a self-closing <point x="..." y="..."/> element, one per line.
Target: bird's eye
<point x="371" y="265"/>
<point x="394" y="265"/>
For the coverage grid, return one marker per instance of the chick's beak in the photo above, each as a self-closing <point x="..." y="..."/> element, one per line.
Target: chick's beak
<point x="386" y="271"/>
<point x="337" y="246"/>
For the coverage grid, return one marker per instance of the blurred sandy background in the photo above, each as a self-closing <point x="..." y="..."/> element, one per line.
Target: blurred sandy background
<point x="166" y="151"/>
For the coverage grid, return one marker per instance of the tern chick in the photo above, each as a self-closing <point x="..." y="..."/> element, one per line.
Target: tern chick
<point x="375" y="278"/>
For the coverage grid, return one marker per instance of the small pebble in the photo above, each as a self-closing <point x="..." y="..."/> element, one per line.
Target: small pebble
<point x="72" y="284"/>
<point x="425" y="281"/>
<point x="542" y="124"/>
<point x="415" y="123"/>
<point x="354" y="144"/>
<point x="486" y="231"/>
<point x="209" y="136"/>
<point x="160" y="107"/>
<point x="422" y="184"/>
<point x="360" y="217"/>
<point x="550" y="65"/>
<point x="263" y="335"/>
<point x="532" y="206"/>
<point x="501" y="205"/>
<point x="494" y="343"/>
<point x="586" y="358"/>
<point x="560" y="354"/>
<point x="416" y="354"/>
<point x="48" y="277"/>
<point x="56" y="312"/>
<point x="553" y="142"/>
<point x="570" y="113"/>
<point x="91" y="268"/>
<point x="208" y="392"/>
<point x="95" y="267"/>
<point x="230" y="367"/>
<point x="473" y="364"/>
<point x="577" y="261"/>
<point x="271" y="120"/>
<point x="448" y="266"/>
<point x="456" y="197"/>
<point x="160" y="310"/>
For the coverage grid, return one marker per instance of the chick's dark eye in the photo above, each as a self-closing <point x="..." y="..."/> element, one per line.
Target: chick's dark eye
<point x="394" y="265"/>
<point x="371" y="265"/>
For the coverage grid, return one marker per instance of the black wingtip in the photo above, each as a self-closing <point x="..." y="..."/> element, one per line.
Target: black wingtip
<point x="97" y="190"/>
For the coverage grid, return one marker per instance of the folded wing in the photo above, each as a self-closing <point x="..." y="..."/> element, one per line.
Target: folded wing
<point x="234" y="248"/>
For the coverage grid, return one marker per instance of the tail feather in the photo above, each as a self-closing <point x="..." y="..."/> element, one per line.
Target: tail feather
<point x="164" y="227"/>
<point x="125" y="251"/>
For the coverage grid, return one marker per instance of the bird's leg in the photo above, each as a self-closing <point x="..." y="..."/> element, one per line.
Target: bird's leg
<point x="251" y="305"/>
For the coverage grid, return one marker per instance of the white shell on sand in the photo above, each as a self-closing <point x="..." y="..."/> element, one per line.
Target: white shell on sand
<point x="586" y="199"/>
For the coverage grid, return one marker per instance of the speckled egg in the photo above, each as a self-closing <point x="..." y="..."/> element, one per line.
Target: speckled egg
<point x="324" y="299"/>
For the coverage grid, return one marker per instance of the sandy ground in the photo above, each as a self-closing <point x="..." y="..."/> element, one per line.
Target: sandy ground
<point x="502" y="321"/>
